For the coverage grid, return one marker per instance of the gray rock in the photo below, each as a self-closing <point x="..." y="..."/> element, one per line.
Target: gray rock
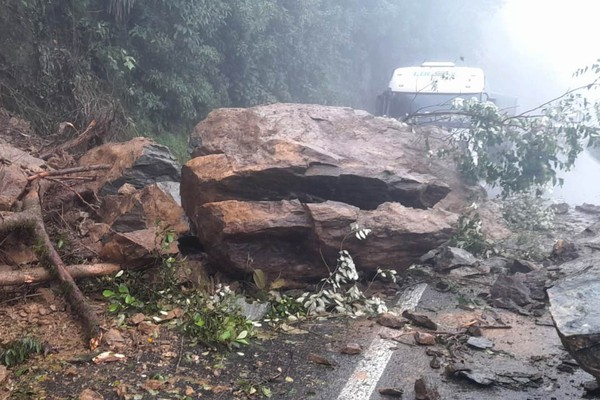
<point x="453" y="257"/>
<point x="480" y="343"/>
<point x="574" y="308"/>
<point x="512" y="288"/>
<point x="588" y="208"/>
<point x="313" y="153"/>
<point x="156" y="164"/>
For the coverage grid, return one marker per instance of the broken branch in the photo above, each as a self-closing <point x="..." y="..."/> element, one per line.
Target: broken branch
<point x="68" y="171"/>
<point x="34" y="275"/>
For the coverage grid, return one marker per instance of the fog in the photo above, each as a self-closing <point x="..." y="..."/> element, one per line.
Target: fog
<point x="532" y="49"/>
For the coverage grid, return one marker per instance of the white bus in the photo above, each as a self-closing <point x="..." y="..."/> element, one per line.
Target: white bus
<point x="433" y="87"/>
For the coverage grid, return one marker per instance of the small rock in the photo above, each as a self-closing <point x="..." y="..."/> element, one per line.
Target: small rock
<point x="480" y="343"/>
<point x="467" y="271"/>
<point x="425" y="389"/>
<point x="511" y="287"/>
<point x="420" y="320"/>
<point x="89" y="394"/>
<point x="172" y="314"/>
<point x="391" y="320"/>
<point x="137" y="318"/>
<point x="351" y="348"/>
<point x="317" y="359"/>
<point x="424" y="339"/>
<point x="478" y="377"/>
<point x="452" y="257"/>
<point x="391" y="392"/>
<point x="523" y="266"/>
<point x="112" y="337"/>
<point x="560" y="208"/>
<point x="592" y="388"/>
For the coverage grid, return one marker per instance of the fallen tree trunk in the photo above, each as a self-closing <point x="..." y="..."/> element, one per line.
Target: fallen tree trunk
<point x="31" y="218"/>
<point x="35" y="275"/>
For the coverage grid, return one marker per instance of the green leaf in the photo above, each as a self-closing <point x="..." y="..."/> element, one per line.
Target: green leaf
<point x="266" y="391"/>
<point x="123" y="288"/>
<point x="260" y="279"/>
<point x="225" y="335"/>
<point x="108" y="293"/>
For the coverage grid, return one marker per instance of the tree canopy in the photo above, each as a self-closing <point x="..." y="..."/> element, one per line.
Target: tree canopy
<point x="162" y="65"/>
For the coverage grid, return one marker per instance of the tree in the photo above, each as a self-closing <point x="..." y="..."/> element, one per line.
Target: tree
<point x="524" y="152"/>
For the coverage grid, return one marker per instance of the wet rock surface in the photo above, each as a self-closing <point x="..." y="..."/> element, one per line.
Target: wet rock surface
<point x="139" y="162"/>
<point x="277" y="187"/>
<point x="574" y="306"/>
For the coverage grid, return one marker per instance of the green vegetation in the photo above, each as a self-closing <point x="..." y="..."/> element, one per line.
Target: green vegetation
<point x="470" y="237"/>
<point x="523" y="153"/>
<point x="17" y="351"/>
<point x="158" y="67"/>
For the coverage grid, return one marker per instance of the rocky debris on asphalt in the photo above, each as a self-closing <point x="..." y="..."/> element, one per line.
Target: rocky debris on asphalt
<point x="391" y="392"/>
<point x="426" y="389"/>
<point x="588" y="208"/>
<point x="420" y="320"/>
<point x="289" y="240"/>
<point x="480" y="343"/>
<point x="508" y="289"/>
<point x="391" y="320"/>
<point x="574" y="308"/>
<point x="319" y="359"/>
<point x="351" y="348"/>
<point x="447" y="257"/>
<point x="424" y="338"/>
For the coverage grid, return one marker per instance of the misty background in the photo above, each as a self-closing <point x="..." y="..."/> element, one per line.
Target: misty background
<point x="156" y="68"/>
<point x="532" y="49"/>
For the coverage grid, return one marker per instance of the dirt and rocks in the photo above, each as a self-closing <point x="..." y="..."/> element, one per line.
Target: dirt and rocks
<point x="459" y="327"/>
<point x="477" y="351"/>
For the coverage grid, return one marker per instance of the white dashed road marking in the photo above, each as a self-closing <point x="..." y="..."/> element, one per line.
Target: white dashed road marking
<point x="363" y="380"/>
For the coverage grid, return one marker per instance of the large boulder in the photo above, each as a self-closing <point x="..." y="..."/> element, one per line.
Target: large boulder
<point x="276" y="187"/>
<point x="574" y="307"/>
<point x="296" y="241"/>
<point x="139" y="201"/>
<point x="313" y="153"/>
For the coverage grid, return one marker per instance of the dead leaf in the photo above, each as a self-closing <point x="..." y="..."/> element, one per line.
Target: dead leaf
<point x="220" y="389"/>
<point x="278" y="284"/>
<point x="3" y="373"/>
<point x="174" y="313"/>
<point x="153" y="384"/>
<point x="108" y="356"/>
<point x="292" y="330"/>
<point x="89" y="394"/>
